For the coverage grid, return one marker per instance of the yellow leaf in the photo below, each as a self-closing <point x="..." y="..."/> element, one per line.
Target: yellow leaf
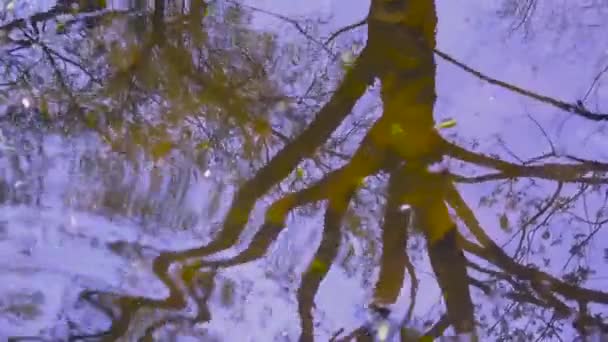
<point x="203" y="145"/>
<point x="503" y="220"/>
<point x="60" y="27"/>
<point x="449" y="123"/>
<point x="299" y="172"/>
<point x="318" y="266"/>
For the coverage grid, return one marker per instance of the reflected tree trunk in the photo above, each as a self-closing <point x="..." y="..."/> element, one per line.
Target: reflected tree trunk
<point x="394" y="258"/>
<point x="405" y="33"/>
<point x="400" y="52"/>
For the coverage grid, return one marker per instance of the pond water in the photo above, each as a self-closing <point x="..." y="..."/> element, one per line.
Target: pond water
<point x="189" y="170"/>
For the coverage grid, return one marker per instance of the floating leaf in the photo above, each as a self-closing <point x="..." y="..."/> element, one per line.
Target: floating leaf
<point x="227" y="292"/>
<point x="503" y="220"/>
<point x="203" y="145"/>
<point x="60" y="27"/>
<point x="318" y="266"/>
<point x="449" y="123"/>
<point x="299" y="173"/>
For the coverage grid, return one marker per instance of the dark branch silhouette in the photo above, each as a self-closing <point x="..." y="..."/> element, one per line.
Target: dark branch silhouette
<point x="322" y="261"/>
<point x="574" y="108"/>
<point x="395" y="234"/>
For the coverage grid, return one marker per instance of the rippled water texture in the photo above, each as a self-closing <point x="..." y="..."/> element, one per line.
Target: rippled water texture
<point x="189" y="170"/>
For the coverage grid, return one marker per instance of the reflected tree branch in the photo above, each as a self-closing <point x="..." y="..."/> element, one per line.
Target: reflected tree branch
<point x="291" y="21"/>
<point x="491" y="177"/>
<point x="523" y="229"/>
<point x="550" y="171"/>
<point x="594" y="82"/>
<point x="322" y="261"/>
<point x="574" y="108"/>
<point x="72" y="62"/>
<point x="128" y="307"/>
<point x="425" y="192"/>
<point x="402" y="88"/>
<point x="344" y="29"/>
<point x="394" y="258"/>
<point x="36" y="18"/>
<point x="327" y="120"/>
<point x="439" y="327"/>
<point x="87" y="13"/>
<point x="491" y="252"/>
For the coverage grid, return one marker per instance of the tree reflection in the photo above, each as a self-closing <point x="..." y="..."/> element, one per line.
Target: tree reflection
<point x="156" y="82"/>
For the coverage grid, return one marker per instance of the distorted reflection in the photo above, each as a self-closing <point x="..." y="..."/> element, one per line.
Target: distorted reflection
<point x="172" y="171"/>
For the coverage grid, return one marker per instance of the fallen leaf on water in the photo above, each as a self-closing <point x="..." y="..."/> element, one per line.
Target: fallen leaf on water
<point x="203" y="145"/>
<point x="449" y="123"/>
<point x="503" y="220"/>
<point x="300" y="172"/>
<point x="318" y="266"/>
